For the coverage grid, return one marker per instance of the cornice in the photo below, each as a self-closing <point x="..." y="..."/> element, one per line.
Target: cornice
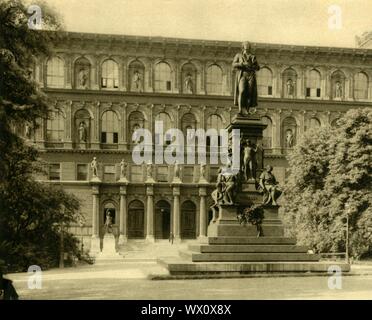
<point x="221" y="48"/>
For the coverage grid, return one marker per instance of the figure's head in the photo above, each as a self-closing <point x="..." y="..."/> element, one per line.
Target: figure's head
<point x="246" y="45"/>
<point x="269" y="168"/>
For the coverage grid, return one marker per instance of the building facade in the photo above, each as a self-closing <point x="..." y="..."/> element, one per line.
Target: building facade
<point x="103" y="87"/>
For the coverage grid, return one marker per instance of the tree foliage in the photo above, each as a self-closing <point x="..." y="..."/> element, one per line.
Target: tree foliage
<point x="329" y="180"/>
<point x="31" y="213"/>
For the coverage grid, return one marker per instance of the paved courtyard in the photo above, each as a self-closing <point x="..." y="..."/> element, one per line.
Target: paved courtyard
<point x="129" y="281"/>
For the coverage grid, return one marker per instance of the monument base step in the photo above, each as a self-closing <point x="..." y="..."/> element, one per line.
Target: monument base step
<point x="240" y="269"/>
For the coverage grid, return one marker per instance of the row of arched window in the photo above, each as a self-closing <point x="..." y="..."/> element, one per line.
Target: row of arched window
<point x="110" y="127"/>
<point x="214" y="80"/>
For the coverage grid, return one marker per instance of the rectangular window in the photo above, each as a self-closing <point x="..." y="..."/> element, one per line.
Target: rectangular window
<point x="270" y="90"/>
<point x="109" y="173"/>
<point x="103" y="137"/>
<point x="169" y="85"/>
<point x="307" y="92"/>
<point x="115" y="137"/>
<point x="104" y="82"/>
<point x="318" y="92"/>
<point x="116" y="83"/>
<point x="55" y="172"/>
<point x="82" y="172"/>
<point x="162" y="175"/>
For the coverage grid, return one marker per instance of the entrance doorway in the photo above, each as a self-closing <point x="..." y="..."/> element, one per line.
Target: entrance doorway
<point x="188" y="220"/>
<point x="162" y="220"/>
<point x="136" y="220"/>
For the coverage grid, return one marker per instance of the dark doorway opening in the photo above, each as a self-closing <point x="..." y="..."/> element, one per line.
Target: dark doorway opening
<point x="162" y="220"/>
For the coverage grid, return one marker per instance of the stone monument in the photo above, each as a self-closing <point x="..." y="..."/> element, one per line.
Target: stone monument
<point x="258" y="245"/>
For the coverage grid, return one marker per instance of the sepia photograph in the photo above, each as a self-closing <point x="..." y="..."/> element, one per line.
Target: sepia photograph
<point x="168" y="150"/>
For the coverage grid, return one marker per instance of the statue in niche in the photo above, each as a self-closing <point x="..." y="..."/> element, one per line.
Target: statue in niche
<point x="123" y="169"/>
<point x="93" y="166"/>
<point x="108" y="221"/>
<point x="290" y="88"/>
<point x="137" y="81"/>
<point x="83" y="78"/>
<point x="82" y="132"/>
<point x="289" y="138"/>
<point x="338" y="90"/>
<point x="249" y="160"/>
<point x="189" y="84"/>
<point x="246" y="65"/>
<point x="135" y="136"/>
<point x="269" y="186"/>
<point x="28" y="131"/>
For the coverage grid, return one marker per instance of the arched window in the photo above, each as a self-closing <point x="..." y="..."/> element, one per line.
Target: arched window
<point x="289" y="132"/>
<point x="313" y="84"/>
<point x="136" y="76"/>
<point x="188" y="220"/>
<point x="314" y="123"/>
<point x="167" y="124"/>
<point x="214" y="80"/>
<point x="110" y="75"/>
<point x="267" y="133"/>
<point x="109" y="127"/>
<point x="361" y="86"/>
<point x="82" y="73"/>
<point x="136" y="121"/>
<point x="136" y="220"/>
<point x="188" y="78"/>
<point x="163" y="77"/>
<point x="214" y="121"/>
<point x="188" y="121"/>
<point x="265" y="82"/>
<point x="55" y="73"/>
<point x="55" y="126"/>
<point x="337" y="85"/>
<point x="289" y="83"/>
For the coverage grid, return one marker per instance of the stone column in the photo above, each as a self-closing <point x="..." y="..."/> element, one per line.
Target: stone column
<point x="203" y="213"/>
<point x="95" y="241"/>
<point x="123" y="214"/>
<point x="150" y="213"/>
<point x="176" y="213"/>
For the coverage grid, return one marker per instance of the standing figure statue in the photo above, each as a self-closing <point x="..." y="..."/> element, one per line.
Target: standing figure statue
<point x="123" y="169"/>
<point x="137" y="81"/>
<point x="338" y="93"/>
<point x="289" y="138"/>
<point x="290" y="88"/>
<point x="269" y="186"/>
<point x="249" y="160"/>
<point x="93" y="166"/>
<point x="108" y="222"/>
<point x="189" y="84"/>
<point x="202" y="172"/>
<point x="177" y="170"/>
<point x="246" y="65"/>
<point x="82" y="132"/>
<point x="149" y="170"/>
<point x="83" y="78"/>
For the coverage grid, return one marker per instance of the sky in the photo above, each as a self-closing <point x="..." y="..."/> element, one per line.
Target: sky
<point x="299" y="22"/>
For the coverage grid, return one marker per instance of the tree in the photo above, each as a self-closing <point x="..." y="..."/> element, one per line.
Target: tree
<point x="330" y="179"/>
<point x="31" y="213"/>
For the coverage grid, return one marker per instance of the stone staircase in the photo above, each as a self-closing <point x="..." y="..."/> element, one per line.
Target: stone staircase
<point x="234" y="250"/>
